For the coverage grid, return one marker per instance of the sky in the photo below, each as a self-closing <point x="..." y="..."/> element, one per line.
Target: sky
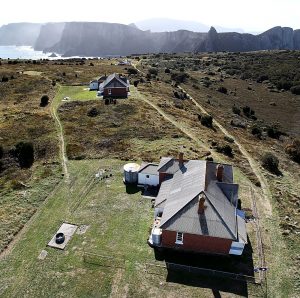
<point x="250" y="15"/>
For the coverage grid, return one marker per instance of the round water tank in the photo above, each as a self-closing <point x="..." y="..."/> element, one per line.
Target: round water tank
<point x="131" y="173"/>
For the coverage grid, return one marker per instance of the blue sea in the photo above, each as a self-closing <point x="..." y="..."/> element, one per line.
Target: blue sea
<point x="22" y="52"/>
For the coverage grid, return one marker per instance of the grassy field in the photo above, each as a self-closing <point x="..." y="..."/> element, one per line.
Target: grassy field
<point x="118" y="227"/>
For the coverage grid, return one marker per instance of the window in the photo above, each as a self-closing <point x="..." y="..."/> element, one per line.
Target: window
<point x="179" y="238"/>
<point x="147" y="176"/>
<point x="109" y="91"/>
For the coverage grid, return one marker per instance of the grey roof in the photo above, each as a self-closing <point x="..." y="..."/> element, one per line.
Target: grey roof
<point x="210" y="223"/>
<point x="187" y="183"/>
<point x="179" y="198"/>
<point x="122" y="81"/>
<point x="168" y="165"/>
<point x="242" y="234"/>
<point x="150" y="169"/>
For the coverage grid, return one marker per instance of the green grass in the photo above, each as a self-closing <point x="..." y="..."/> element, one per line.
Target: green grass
<point x="81" y="93"/>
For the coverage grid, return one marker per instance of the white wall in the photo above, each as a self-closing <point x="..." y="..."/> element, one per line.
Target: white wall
<point x="145" y="179"/>
<point x="94" y="86"/>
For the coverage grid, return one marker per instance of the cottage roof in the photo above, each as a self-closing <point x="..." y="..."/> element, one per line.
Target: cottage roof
<point x="179" y="197"/>
<point x="122" y="80"/>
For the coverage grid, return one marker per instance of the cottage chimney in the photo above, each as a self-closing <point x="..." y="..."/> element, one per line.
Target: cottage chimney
<point x="201" y="206"/>
<point x="180" y="159"/>
<point x="220" y="172"/>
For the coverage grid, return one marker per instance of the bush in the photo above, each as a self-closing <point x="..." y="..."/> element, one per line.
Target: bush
<point x="153" y="71"/>
<point x="135" y="83"/>
<point x="93" y="112"/>
<point x="180" y="77"/>
<point x="248" y="112"/>
<point x="44" y="100"/>
<point x="236" y="110"/>
<point x="207" y="120"/>
<point x="293" y="150"/>
<point x="53" y="83"/>
<point x="274" y="132"/>
<point x="132" y="71"/>
<point x="167" y="70"/>
<point x="229" y="139"/>
<point x="296" y="90"/>
<point x="222" y="89"/>
<point x="25" y="154"/>
<point x="4" y="79"/>
<point x="225" y="149"/>
<point x="270" y="162"/>
<point x="262" y="78"/>
<point x="257" y="131"/>
<point x="1" y="151"/>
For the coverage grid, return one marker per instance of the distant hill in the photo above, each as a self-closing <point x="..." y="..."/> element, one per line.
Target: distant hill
<point x="20" y="34"/>
<point x="164" y="24"/>
<point x="100" y="39"/>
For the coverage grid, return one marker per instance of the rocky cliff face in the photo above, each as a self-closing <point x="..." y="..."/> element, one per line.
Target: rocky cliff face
<point x="100" y="39"/>
<point x="49" y="35"/>
<point x="274" y="39"/>
<point x="19" y="34"/>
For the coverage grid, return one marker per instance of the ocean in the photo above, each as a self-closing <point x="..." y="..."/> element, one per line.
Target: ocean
<point x="22" y="52"/>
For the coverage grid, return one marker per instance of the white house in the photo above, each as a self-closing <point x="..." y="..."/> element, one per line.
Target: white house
<point x="148" y="175"/>
<point x="94" y="85"/>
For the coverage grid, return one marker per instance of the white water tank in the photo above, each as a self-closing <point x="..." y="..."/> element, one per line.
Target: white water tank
<point x="131" y="173"/>
<point x="156" y="236"/>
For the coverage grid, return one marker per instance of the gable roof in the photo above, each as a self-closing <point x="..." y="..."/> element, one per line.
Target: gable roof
<point x="110" y="78"/>
<point x="150" y="169"/>
<point x="179" y="198"/>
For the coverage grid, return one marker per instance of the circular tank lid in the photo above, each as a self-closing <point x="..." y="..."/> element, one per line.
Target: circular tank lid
<point x="131" y="167"/>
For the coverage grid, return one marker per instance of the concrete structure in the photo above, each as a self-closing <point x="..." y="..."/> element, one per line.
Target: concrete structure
<point x="115" y="86"/>
<point x="68" y="230"/>
<point x="148" y="175"/>
<point x="196" y="208"/>
<point x="131" y="173"/>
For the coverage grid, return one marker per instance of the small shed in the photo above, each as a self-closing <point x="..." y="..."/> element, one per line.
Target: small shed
<point x="94" y="85"/>
<point x="148" y="175"/>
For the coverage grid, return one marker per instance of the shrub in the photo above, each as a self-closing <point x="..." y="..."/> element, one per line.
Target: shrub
<point x="257" y="131"/>
<point x="180" y="77"/>
<point x="4" y="79"/>
<point x="229" y="139"/>
<point x="44" y="100"/>
<point x="153" y="71"/>
<point x="248" y="112"/>
<point x="262" y="78"/>
<point x="135" y="83"/>
<point x="93" y="112"/>
<point x="167" y="70"/>
<point x="296" y="90"/>
<point x="274" y="132"/>
<point x="53" y="83"/>
<point x="284" y="84"/>
<point x="270" y="162"/>
<point x="207" y="120"/>
<point x="132" y="71"/>
<point x="25" y="154"/>
<point x="236" y="110"/>
<point x="225" y="149"/>
<point x="238" y="123"/>
<point x="293" y="150"/>
<point x="1" y="151"/>
<point x="222" y="89"/>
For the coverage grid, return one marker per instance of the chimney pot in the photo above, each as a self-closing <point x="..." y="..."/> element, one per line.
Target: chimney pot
<point x="220" y="172"/>
<point x="201" y="206"/>
<point x="180" y="159"/>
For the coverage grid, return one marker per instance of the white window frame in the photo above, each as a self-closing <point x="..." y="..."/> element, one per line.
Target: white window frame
<point x="109" y="91"/>
<point x="179" y="238"/>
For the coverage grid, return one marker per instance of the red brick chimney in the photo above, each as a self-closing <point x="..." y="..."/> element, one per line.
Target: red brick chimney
<point x="220" y="172"/>
<point x="180" y="159"/>
<point x="201" y="206"/>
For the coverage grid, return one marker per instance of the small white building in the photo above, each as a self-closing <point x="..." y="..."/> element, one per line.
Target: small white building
<point x="94" y="85"/>
<point x="148" y="175"/>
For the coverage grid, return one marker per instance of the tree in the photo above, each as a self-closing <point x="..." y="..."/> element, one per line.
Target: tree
<point x="44" y="100"/>
<point x="25" y="154"/>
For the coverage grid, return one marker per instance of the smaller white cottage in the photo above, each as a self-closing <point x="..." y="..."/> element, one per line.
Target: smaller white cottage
<point x="148" y="175"/>
<point x="94" y="85"/>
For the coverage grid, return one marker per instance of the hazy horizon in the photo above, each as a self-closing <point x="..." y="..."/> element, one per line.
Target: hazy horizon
<point x="254" y="16"/>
